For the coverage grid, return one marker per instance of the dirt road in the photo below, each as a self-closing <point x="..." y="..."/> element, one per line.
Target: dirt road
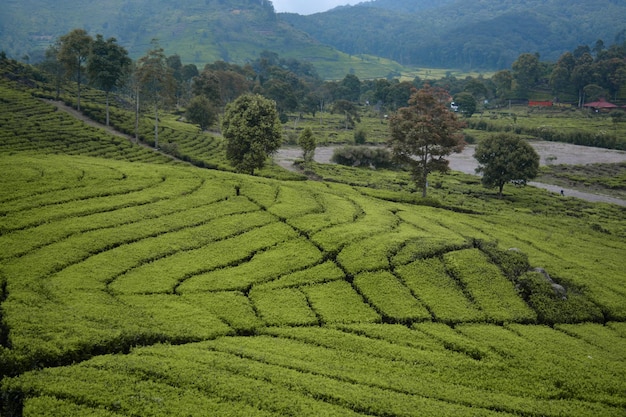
<point x="549" y="152"/>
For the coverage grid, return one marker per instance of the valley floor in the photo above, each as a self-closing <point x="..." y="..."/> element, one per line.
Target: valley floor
<point x="564" y="153"/>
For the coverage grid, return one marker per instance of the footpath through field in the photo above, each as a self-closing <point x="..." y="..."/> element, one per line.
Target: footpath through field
<point x="109" y="129"/>
<point x="565" y="153"/>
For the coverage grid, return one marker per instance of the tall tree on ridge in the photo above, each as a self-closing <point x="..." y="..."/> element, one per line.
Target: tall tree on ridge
<point x="156" y="81"/>
<point x="73" y="53"/>
<point x="106" y="64"/>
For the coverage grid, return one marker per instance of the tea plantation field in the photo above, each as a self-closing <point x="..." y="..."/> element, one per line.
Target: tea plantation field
<point x="135" y="285"/>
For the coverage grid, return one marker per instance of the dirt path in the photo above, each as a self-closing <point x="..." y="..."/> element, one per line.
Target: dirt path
<point x="90" y="122"/>
<point x="563" y="152"/>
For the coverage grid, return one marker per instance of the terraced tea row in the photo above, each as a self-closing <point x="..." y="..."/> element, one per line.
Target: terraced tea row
<point x="134" y="288"/>
<point x="83" y="270"/>
<point x="30" y="125"/>
<point x="376" y="370"/>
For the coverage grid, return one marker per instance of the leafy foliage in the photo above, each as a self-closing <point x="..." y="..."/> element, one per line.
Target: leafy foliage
<point x="308" y="144"/>
<point x="106" y="65"/>
<point x="74" y="50"/>
<point x="156" y="81"/>
<point x="361" y="156"/>
<point x="424" y="133"/>
<point x="200" y="111"/>
<point x="505" y="158"/>
<point x="252" y="130"/>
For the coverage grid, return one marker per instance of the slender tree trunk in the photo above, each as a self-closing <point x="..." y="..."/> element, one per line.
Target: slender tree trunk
<point x="58" y="85"/>
<point x="137" y="115"/>
<point x="156" y="125"/>
<point x="107" y="105"/>
<point x="425" y="172"/>
<point x="78" y="100"/>
<point x="78" y="83"/>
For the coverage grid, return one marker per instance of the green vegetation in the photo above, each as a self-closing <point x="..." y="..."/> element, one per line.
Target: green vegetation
<point x="503" y="159"/>
<point x="460" y="34"/>
<point x="132" y="283"/>
<point x="252" y="131"/>
<point x="200" y="31"/>
<point x="424" y="134"/>
<point x="600" y="178"/>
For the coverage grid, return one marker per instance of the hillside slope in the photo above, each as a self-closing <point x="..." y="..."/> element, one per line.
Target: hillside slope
<point x="134" y="285"/>
<point x="199" y="31"/>
<point x="488" y="34"/>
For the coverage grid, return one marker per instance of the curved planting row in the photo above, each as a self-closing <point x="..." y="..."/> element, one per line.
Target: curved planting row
<point x="172" y="231"/>
<point x="375" y="370"/>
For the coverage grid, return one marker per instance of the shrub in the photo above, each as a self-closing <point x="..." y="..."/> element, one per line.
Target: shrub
<point x="512" y="262"/>
<point x="358" y="156"/>
<point x="360" y="136"/>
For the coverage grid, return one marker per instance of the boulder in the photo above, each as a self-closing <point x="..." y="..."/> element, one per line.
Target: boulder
<point x="558" y="289"/>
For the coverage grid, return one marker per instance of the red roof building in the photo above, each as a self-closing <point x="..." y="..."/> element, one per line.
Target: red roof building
<point x="600" y="104"/>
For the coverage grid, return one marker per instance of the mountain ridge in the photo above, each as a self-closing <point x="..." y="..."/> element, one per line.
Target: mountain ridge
<point x="199" y="31"/>
<point x="488" y="34"/>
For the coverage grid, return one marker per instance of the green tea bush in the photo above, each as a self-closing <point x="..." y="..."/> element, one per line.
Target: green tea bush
<point x="375" y="252"/>
<point x="267" y="261"/>
<point x="338" y="302"/>
<point x="390" y="297"/>
<point x="283" y="307"/>
<point x="512" y="262"/>
<point x="232" y="307"/>
<point x="439" y="292"/>
<point x="487" y="286"/>
<point x="317" y="274"/>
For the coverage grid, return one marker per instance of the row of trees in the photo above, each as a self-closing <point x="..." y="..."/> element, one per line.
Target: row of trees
<point x="586" y="73"/>
<point x="106" y="65"/>
<point x="254" y="96"/>
<point x="583" y="73"/>
<point x="424" y="133"/>
<point x="422" y="136"/>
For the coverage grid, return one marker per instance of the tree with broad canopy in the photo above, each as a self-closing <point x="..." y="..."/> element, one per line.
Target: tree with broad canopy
<point x="506" y="158"/>
<point x="252" y="130"/>
<point x="425" y="133"/>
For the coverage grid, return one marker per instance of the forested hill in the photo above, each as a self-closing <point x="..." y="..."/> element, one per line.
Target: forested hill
<point x="199" y="31"/>
<point x="480" y="34"/>
<point x="475" y="35"/>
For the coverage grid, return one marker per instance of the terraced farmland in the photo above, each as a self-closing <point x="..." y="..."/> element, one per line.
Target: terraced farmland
<point x="132" y="286"/>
